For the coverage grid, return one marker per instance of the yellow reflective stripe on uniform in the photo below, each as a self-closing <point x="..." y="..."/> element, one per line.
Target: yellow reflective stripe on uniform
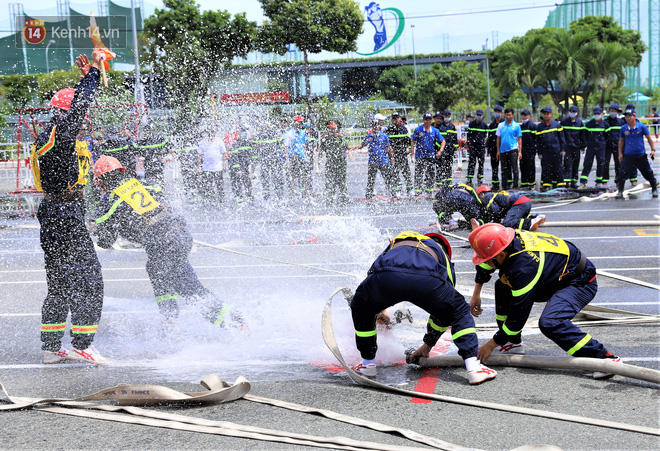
<point x="522" y="291"/>
<point x="460" y="333"/>
<point x="53" y="327"/>
<point x="242" y="148"/>
<point x="49" y="145"/>
<point x="486" y="266"/>
<point x="579" y="345"/>
<point x="221" y="317"/>
<point x="500" y="317"/>
<point x="568" y="127"/>
<point x="106" y="216"/>
<point x="369" y="333"/>
<point x="153" y="146"/>
<point x="84" y="329"/>
<point x="436" y="327"/>
<point x="509" y="331"/>
<point x="549" y="130"/>
<point x="167" y="297"/>
<point x="116" y="149"/>
<point x="451" y="278"/>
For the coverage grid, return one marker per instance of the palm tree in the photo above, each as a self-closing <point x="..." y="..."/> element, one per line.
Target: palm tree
<point x="610" y="59"/>
<point x="521" y="63"/>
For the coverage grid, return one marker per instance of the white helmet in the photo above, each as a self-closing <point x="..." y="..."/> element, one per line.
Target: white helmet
<point x="379" y="117"/>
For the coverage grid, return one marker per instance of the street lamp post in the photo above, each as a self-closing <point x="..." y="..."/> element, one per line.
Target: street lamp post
<point x="52" y="41"/>
<point x="412" y="28"/>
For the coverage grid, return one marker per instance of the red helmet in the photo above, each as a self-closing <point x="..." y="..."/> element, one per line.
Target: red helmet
<point x="104" y="165"/>
<point x="443" y="242"/>
<point x="489" y="240"/>
<point x="298" y="119"/>
<point x="484" y="189"/>
<point x="62" y="99"/>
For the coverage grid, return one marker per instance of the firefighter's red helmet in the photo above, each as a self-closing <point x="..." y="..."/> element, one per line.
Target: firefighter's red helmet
<point x="489" y="240"/>
<point x="62" y="99"/>
<point x="104" y="165"/>
<point x="484" y="189"/>
<point x="298" y="119"/>
<point x="443" y="241"/>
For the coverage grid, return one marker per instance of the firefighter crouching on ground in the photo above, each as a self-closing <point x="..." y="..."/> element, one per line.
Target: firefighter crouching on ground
<point x="458" y="198"/>
<point x="416" y="268"/>
<point x="535" y="267"/>
<point x="136" y="212"/>
<point x="510" y="210"/>
<point x="73" y="271"/>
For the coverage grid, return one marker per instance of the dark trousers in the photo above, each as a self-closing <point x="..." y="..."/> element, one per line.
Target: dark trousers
<point x="424" y="175"/>
<point x="597" y="152"/>
<point x="444" y="164"/>
<point x="510" y="177"/>
<point x="516" y="217"/>
<point x="630" y="164"/>
<point x="551" y="172"/>
<point x="400" y="168"/>
<point x="372" y="171"/>
<point x="528" y="169"/>
<point x="476" y="157"/>
<point x="384" y="289"/>
<point x="571" y="165"/>
<point x="335" y="181"/>
<point x="272" y="178"/>
<point x="172" y="275"/>
<point x="495" y="168"/>
<point x="241" y="183"/>
<point x="612" y="153"/>
<point x="299" y="174"/>
<point x="213" y="186"/>
<point x="555" y="321"/>
<point x="73" y="275"/>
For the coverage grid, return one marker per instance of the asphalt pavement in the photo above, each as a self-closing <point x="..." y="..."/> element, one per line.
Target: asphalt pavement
<point x="277" y="264"/>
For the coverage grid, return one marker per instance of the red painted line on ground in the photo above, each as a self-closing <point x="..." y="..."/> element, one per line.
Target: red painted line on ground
<point x="426" y="384"/>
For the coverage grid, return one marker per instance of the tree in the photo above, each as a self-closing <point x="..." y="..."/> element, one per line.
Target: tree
<point x="190" y="46"/>
<point x="395" y="83"/>
<point x="517" y="100"/>
<point x="607" y="68"/>
<point x="18" y="91"/>
<point x="440" y="87"/>
<point x="313" y="26"/>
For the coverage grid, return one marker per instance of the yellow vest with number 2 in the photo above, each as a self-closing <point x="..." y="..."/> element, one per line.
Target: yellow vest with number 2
<point x="136" y="196"/>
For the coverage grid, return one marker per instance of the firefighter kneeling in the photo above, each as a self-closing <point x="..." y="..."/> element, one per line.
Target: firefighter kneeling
<point x="136" y="212"/>
<point x="535" y="267"/>
<point x="416" y="268"/>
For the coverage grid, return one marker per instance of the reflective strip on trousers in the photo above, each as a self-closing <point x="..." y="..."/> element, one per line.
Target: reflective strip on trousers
<point x="55" y="327"/>
<point x="84" y="329"/>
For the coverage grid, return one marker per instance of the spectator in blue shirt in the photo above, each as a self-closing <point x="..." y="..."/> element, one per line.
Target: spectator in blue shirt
<point x="509" y="149"/>
<point x="427" y="143"/>
<point x="632" y="153"/>
<point x="379" y="156"/>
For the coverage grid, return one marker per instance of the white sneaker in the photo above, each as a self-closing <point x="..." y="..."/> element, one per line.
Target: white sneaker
<point x="365" y="369"/>
<point x="536" y="222"/>
<point x="510" y="348"/>
<point x="55" y="357"/>
<point x="603" y="375"/>
<point x="477" y="372"/>
<point x="89" y="355"/>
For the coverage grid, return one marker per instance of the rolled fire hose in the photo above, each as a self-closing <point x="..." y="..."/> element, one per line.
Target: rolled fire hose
<point x="331" y="343"/>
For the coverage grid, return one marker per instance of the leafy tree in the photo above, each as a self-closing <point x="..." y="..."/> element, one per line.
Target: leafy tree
<point x="189" y="46"/>
<point x="517" y="100"/>
<point x="18" y="91"/>
<point x="313" y="26"/>
<point x="395" y="83"/>
<point x="610" y="59"/>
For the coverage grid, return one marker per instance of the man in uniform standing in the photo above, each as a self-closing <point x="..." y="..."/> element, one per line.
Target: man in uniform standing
<point x="446" y="160"/>
<point x="153" y="148"/>
<point x="509" y="147"/>
<point x="528" y="160"/>
<point x="476" y="147"/>
<point x="335" y="148"/>
<point x="491" y="147"/>
<point x="614" y="123"/>
<point x="73" y="271"/>
<point x="427" y="143"/>
<point x="632" y="153"/>
<point x="550" y="142"/>
<point x="400" y="141"/>
<point x="596" y="129"/>
<point x="576" y="140"/>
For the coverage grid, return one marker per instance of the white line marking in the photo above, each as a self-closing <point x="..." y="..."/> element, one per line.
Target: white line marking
<point x="300" y="276"/>
<point x="597" y="210"/>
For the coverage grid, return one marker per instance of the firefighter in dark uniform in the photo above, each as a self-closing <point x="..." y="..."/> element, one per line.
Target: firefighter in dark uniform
<point x="491" y="147"/>
<point x="446" y="160"/>
<point x="550" y="144"/>
<point x="576" y="140"/>
<point x="476" y="147"/>
<point x="153" y="148"/>
<point x="120" y="147"/>
<point x="271" y="166"/>
<point x="416" y="268"/>
<point x="240" y="162"/>
<point x="596" y="130"/>
<point x="135" y="211"/>
<point x="510" y="210"/>
<point x="458" y="198"/>
<point x="528" y="160"/>
<point x="614" y="123"/>
<point x="535" y="267"/>
<point x="400" y="142"/>
<point x="73" y="271"/>
<point x="335" y="148"/>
